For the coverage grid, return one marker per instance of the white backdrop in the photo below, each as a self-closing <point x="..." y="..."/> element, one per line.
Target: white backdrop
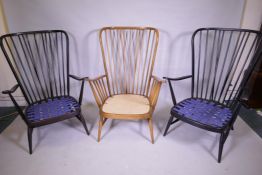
<point x="176" y="20"/>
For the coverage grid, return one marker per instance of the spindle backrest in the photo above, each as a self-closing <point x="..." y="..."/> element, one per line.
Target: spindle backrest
<point x="39" y="62"/>
<point x="129" y="55"/>
<point x="222" y="61"/>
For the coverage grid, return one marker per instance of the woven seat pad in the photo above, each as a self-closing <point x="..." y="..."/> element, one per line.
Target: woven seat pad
<point x="126" y="104"/>
<point x="51" y="108"/>
<point x="204" y="112"/>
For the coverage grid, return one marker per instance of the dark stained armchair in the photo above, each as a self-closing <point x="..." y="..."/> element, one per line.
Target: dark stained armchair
<point x="222" y="61"/>
<point x="39" y="61"/>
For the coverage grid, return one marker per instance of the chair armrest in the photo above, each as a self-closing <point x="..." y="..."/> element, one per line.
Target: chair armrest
<point x="158" y="79"/>
<point x="18" y="108"/>
<point x="97" y="78"/>
<point x="78" y="78"/>
<point x="155" y="89"/>
<point x="178" y="78"/>
<point x="100" y="89"/>
<point x="12" y="90"/>
<point x="82" y="86"/>
<point x="170" y="85"/>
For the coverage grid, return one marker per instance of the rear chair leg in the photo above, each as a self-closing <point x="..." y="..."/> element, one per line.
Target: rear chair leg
<point x="29" y="136"/>
<point x="150" y="124"/>
<point x="232" y="127"/>
<point x="168" y="124"/>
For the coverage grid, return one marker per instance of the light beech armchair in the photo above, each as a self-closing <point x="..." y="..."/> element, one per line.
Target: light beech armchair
<point x="128" y="90"/>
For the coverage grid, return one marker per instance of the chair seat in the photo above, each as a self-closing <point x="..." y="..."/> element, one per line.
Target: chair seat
<point x="52" y="108"/>
<point x="126" y="104"/>
<point x="202" y="113"/>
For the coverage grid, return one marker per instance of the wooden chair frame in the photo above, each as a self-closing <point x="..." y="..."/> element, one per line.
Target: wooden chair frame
<point x="222" y="62"/>
<point x="39" y="61"/>
<point x="105" y="86"/>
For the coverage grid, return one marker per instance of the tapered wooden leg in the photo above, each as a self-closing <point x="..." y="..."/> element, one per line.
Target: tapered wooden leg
<point x="221" y="145"/>
<point x="81" y="118"/>
<point x="150" y="123"/>
<point x="29" y="136"/>
<point x="100" y="125"/>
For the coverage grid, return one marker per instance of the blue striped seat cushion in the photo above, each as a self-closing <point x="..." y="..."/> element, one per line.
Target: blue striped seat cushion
<point x="52" y="108"/>
<point x="203" y="112"/>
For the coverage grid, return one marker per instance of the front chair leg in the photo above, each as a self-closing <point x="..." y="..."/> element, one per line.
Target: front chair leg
<point x="81" y="118"/>
<point x="168" y="124"/>
<point x="29" y="136"/>
<point x="100" y="125"/>
<point x="150" y="124"/>
<point x="221" y="145"/>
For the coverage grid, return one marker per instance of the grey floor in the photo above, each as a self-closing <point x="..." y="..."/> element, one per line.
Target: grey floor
<point x="64" y="148"/>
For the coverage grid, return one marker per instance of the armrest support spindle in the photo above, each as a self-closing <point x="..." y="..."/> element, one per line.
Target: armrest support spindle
<point x="82" y="79"/>
<point x="100" y="89"/>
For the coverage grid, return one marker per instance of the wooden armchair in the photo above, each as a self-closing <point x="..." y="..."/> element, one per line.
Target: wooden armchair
<point x="128" y="90"/>
<point x="39" y="61"/>
<point x="222" y="62"/>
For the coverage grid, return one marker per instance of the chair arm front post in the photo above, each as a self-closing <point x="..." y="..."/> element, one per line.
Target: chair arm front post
<point x="17" y="107"/>
<point x="155" y="89"/>
<point x="100" y="89"/>
<point x="170" y="85"/>
<point x="82" y="79"/>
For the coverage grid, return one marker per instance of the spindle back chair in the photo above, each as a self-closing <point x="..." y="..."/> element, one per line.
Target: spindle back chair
<point x="39" y="61"/>
<point x="128" y="90"/>
<point x="222" y="61"/>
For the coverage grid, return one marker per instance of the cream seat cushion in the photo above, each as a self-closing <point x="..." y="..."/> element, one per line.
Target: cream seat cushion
<point x="126" y="104"/>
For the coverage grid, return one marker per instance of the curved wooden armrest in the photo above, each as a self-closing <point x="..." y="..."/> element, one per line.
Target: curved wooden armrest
<point x="78" y="78"/>
<point x="170" y="85"/>
<point x="97" y="78"/>
<point x="155" y="89"/>
<point x="18" y="108"/>
<point x="12" y="90"/>
<point x="178" y="78"/>
<point x="100" y="89"/>
<point x="82" y="86"/>
<point x="158" y="79"/>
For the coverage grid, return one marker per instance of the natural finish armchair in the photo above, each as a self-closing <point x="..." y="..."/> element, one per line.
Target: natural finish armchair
<point x="127" y="90"/>
<point x="222" y="61"/>
<point x="39" y="61"/>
